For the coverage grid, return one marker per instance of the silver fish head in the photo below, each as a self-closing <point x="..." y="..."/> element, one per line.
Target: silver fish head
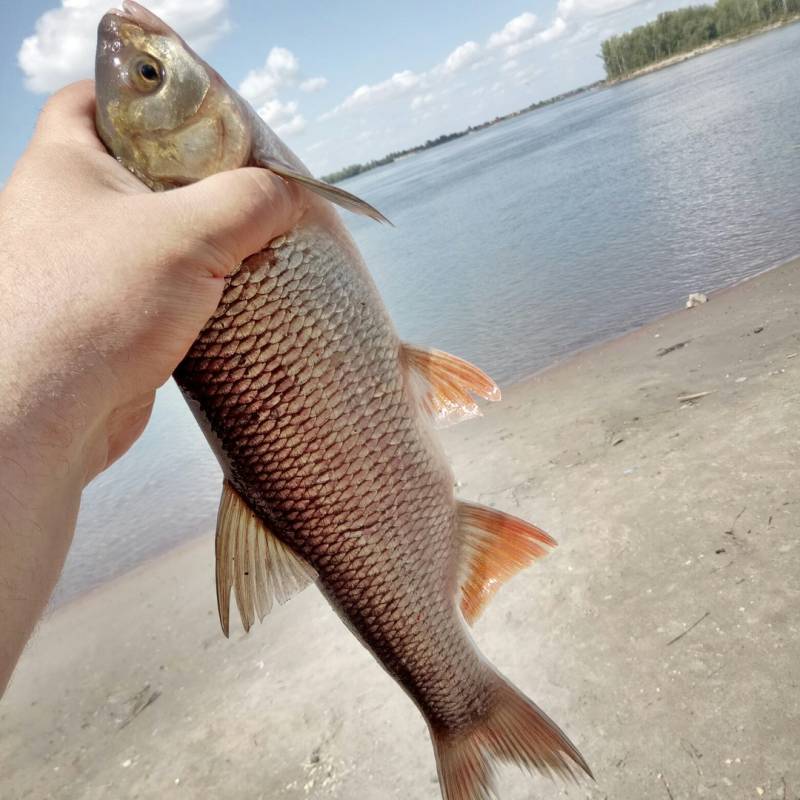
<point x="161" y="110"/>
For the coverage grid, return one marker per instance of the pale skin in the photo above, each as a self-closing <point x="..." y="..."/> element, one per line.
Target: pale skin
<point x="105" y="285"/>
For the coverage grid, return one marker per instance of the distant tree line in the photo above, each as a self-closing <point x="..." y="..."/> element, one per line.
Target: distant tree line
<point x="675" y="32"/>
<point x="357" y="169"/>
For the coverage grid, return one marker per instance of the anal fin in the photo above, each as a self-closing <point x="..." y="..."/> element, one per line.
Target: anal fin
<point x="495" y="546"/>
<point x="447" y="384"/>
<point x="252" y="561"/>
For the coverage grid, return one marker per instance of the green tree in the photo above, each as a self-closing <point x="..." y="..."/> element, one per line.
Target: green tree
<point x="674" y="32"/>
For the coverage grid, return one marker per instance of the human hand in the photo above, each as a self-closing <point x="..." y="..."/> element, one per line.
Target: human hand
<point x="107" y="284"/>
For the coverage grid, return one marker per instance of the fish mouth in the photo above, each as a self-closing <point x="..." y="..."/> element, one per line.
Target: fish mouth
<point x="134" y="14"/>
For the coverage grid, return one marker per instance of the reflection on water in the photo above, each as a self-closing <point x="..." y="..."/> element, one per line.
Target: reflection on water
<point x="520" y="244"/>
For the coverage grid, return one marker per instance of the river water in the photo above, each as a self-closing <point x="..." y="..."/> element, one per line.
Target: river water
<point x="520" y="244"/>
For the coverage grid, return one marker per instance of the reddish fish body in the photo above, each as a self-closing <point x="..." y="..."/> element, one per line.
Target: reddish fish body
<point x="299" y="377"/>
<point x="319" y="416"/>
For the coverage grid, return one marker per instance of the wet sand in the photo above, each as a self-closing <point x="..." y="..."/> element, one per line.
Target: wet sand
<point x="663" y="634"/>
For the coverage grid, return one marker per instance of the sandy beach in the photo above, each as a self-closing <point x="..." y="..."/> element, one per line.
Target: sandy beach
<point x="663" y="634"/>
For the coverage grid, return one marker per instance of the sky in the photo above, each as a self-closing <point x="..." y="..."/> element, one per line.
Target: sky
<point x="341" y="81"/>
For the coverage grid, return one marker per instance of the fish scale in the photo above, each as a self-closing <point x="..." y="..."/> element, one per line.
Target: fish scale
<point x="341" y="504"/>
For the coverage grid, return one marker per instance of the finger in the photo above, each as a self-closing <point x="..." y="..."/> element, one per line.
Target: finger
<point x="237" y="212"/>
<point x="68" y="117"/>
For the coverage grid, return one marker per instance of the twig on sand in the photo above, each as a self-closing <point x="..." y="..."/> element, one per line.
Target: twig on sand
<point x="693" y="753"/>
<point x="690" y="628"/>
<point x="690" y="398"/>
<point x="672" y="348"/>
<point x="666" y="786"/>
<point x="716" y="671"/>
<point x="733" y="524"/>
<point x="139" y="702"/>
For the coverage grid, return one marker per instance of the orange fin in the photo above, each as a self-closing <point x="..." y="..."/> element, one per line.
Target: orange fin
<point x="258" y="566"/>
<point x="514" y="730"/>
<point x="496" y="547"/>
<point x="447" y="384"/>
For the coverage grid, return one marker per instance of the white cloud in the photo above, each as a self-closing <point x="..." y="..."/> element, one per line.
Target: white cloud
<point x="62" y="46"/>
<point x="464" y="55"/>
<point x="283" y="64"/>
<point x="520" y="29"/>
<point x="587" y="31"/>
<point x="313" y="84"/>
<point x="317" y="145"/>
<point x="398" y="84"/>
<point x="556" y="30"/>
<point x="515" y="30"/>
<point x="421" y="100"/>
<point x="262" y="86"/>
<point x="296" y="124"/>
<point x="520" y="35"/>
<point x="592" y="8"/>
<point x="283" y="118"/>
<point x="280" y="69"/>
<point x="526" y="76"/>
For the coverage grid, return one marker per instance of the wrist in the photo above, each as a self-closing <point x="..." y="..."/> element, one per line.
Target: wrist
<point x="44" y="425"/>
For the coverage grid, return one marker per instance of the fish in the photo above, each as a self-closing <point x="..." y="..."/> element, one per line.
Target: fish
<point x="322" y="420"/>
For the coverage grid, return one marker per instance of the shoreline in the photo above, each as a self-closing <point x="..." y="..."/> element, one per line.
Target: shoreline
<point x="661" y="634"/>
<point x="198" y="538"/>
<point x="666" y="315"/>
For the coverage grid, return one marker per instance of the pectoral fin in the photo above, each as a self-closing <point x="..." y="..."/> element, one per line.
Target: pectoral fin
<point x="446" y="384"/>
<point x="258" y="566"/>
<point x="495" y="546"/>
<point x="333" y="193"/>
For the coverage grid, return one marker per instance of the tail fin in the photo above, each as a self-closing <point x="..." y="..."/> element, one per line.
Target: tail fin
<point x="514" y="730"/>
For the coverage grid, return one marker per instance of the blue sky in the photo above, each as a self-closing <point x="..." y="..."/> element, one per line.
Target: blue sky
<point x="341" y="81"/>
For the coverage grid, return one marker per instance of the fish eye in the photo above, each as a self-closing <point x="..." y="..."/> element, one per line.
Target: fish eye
<point x="146" y="74"/>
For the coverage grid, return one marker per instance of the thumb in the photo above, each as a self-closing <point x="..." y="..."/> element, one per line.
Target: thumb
<point x="236" y="212"/>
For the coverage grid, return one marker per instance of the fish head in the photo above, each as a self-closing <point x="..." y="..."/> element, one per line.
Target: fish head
<point x="161" y="110"/>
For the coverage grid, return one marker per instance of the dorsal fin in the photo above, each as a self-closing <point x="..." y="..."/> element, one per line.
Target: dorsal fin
<point x="447" y="384"/>
<point x="254" y="562"/>
<point x="495" y="546"/>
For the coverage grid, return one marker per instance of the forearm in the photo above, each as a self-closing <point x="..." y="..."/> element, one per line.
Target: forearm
<point x="42" y="474"/>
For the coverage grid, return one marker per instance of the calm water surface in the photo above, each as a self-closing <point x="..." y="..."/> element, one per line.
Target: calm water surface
<point x="520" y="244"/>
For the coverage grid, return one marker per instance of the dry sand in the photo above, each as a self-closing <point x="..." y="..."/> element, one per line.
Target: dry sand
<point x="662" y="633"/>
